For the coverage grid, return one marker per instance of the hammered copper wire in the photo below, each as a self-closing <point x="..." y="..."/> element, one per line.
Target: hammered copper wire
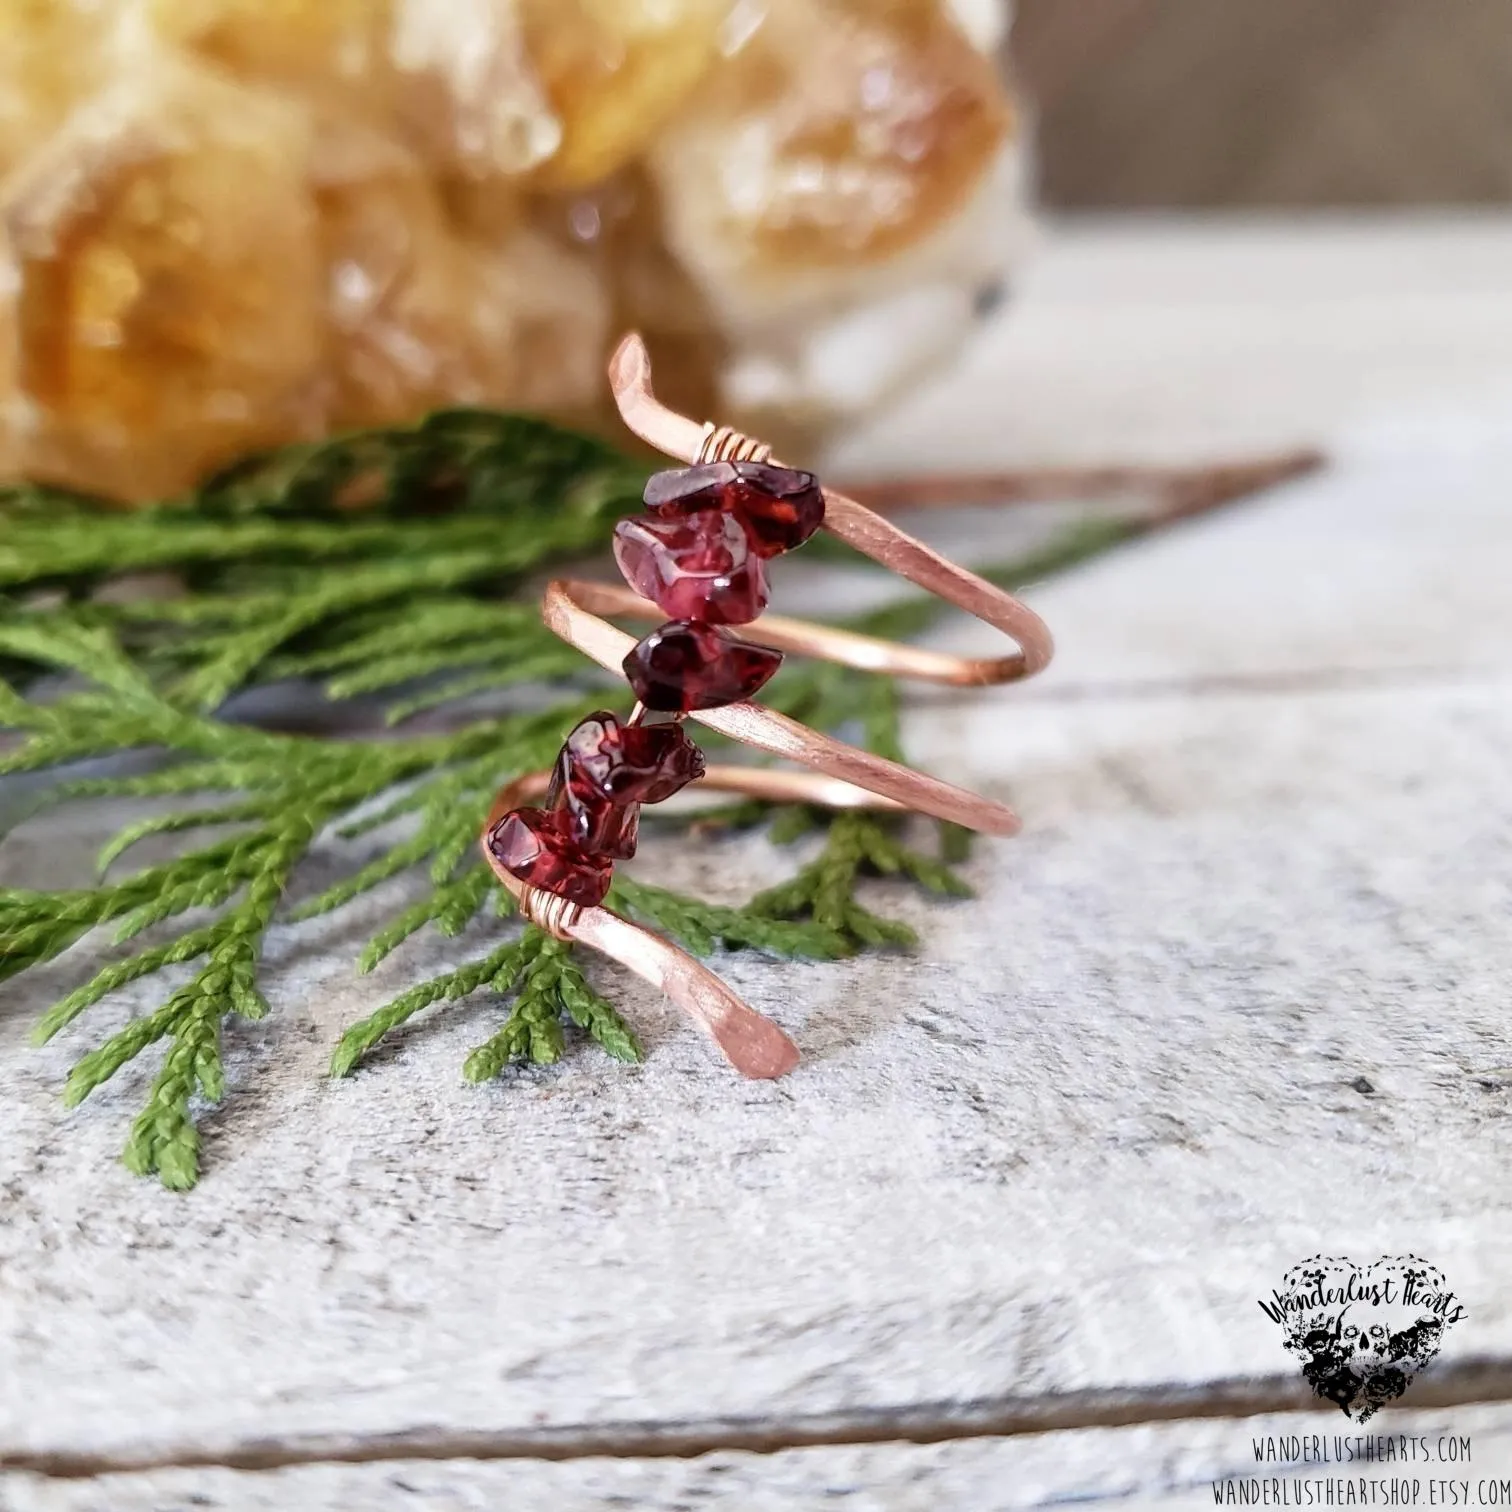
<point x="767" y="730"/>
<point x="841" y="775"/>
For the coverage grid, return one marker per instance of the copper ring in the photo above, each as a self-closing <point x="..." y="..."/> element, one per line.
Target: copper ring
<point x="841" y="775"/>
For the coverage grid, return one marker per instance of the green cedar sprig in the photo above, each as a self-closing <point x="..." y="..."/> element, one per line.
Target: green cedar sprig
<point x="397" y="565"/>
<point x="550" y="985"/>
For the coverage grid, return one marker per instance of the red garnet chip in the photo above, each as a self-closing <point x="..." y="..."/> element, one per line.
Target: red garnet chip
<point x="684" y="666"/>
<point x="535" y="846"/>
<point x="600" y="828"/>
<point x="606" y="770"/>
<point x="627" y="763"/>
<point x="780" y="507"/>
<point x="698" y="566"/>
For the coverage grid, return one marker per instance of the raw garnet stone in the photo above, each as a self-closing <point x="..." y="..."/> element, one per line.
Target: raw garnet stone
<point x="780" y="507"/>
<point x="684" y="666"/>
<point x="599" y="828"/>
<point x="535" y="846"/>
<point x="606" y="770"/>
<point x="698" y="566"/>
<point x="628" y="763"/>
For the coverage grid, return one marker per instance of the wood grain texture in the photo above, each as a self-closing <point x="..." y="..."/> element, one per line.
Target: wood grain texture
<point x="1175" y="340"/>
<point x="1171" y="1467"/>
<point x="1034" y="1177"/>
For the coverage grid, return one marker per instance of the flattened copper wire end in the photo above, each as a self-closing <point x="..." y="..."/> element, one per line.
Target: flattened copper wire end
<point x="753" y="1044"/>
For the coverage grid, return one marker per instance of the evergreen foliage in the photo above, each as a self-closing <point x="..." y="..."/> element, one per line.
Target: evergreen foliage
<point x="396" y="565"/>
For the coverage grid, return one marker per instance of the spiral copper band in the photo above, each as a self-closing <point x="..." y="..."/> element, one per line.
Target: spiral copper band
<point x="840" y="775"/>
<point x="566" y="608"/>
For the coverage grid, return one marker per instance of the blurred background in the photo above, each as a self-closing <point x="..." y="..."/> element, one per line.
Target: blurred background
<point x="232" y="224"/>
<point x="1285" y="103"/>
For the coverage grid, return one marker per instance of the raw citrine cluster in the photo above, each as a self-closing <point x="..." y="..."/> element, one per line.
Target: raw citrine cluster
<point x="229" y="224"/>
<point x="699" y="554"/>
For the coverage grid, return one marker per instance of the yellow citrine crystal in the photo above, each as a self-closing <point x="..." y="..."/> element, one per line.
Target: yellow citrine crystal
<point x="328" y="44"/>
<point x="837" y="193"/>
<point x="226" y="224"/>
<point x="616" y="71"/>
<point x="423" y="314"/>
<point x="842" y="130"/>
<point x="166" y="299"/>
<point x="52" y="54"/>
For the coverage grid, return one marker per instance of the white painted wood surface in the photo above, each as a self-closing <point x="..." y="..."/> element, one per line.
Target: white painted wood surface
<point x="1156" y="1467"/>
<point x="1035" y="1176"/>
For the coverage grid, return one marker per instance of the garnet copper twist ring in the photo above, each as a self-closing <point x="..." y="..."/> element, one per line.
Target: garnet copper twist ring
<point x="697" y="561"/>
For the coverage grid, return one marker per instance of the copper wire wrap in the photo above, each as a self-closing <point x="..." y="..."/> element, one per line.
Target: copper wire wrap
<point x="839" y="775"/>
<point x="555" y="914"/>
<point x="723" y="443"/>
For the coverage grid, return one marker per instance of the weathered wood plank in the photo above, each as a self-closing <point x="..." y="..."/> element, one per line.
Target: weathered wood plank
<point x="1173" y="339"/>
<point x="1228" y="910"/>
<point x="1038" y="1173"/>
<point x="1167" y="1466"/>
